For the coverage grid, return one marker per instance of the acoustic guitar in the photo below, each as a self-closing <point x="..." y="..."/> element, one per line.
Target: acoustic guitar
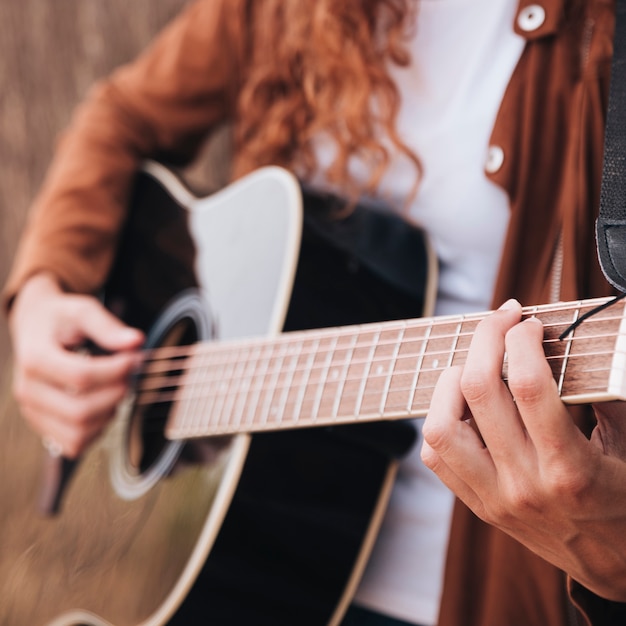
<point x="246" y="474"/>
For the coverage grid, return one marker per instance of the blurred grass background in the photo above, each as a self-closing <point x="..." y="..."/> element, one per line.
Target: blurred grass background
<point x="50" y="54"/>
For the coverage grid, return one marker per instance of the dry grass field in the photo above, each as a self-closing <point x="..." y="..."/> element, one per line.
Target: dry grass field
<point x="50" y="53"/>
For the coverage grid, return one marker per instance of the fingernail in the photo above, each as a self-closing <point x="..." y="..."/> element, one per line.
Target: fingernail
<point x="130" y="335"/>
<point x="130" y="332"/>
<point x="533" y="319"/>
<point x="510" y="304"/>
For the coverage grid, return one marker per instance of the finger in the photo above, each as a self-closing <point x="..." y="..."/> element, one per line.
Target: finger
<point x="81" y="373"/>
<point x="71" y="421"/>
<point x="68" y="439"/>
<point x="89" y="319"/>
<point x="485" y="392"/>
<point x="62" y="439"/>
<point x="74" y="409"/>
<point x="452" y="448"/>
<point x="532" y="384"/>
<point x="456" y="483"/>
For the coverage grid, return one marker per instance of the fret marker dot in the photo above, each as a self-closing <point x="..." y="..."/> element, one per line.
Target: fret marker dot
<point x="436" y="363"/>
<point x="379" y="369"/>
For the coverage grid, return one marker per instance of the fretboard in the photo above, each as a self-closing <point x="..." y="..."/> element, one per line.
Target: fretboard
<point x="362" y="373"/>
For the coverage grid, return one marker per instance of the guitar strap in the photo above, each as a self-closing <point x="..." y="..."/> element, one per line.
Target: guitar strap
<point x="611" y="223"/>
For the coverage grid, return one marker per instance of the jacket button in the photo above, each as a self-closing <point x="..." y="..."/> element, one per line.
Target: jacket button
<point x="495" y="159"/>
<point x="531" y="17"/>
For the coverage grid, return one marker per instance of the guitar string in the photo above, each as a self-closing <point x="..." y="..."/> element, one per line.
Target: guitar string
<point x="424" y="395"/>
<point x="374" y="328"/>
<point x="423" y="392"/>
<point x="165" y="355"/>
<point x="152" y="377"/>
<point x="151" y="382"/>
<point x="542" y="310"/>
<point x="164" y="397"/>
<point x="418" y="406"/>
<point x="160" y="394"/>
<point x="595" y="311"/>
<point x="390" y="411"/>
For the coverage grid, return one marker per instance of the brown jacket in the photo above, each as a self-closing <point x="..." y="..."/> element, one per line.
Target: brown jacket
<point x="550" y="130"/>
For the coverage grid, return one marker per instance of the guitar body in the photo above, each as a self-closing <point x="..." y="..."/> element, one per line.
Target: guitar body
<point x="270" y="529"/>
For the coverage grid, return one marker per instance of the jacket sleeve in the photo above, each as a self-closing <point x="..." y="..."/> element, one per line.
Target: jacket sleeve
<point x="160" y="106"/>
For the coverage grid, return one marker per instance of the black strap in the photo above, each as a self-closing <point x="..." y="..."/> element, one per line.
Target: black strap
<point x="611" y="223"/>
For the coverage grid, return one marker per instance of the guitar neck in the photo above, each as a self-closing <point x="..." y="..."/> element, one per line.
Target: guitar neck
<point x="363" y="373"/>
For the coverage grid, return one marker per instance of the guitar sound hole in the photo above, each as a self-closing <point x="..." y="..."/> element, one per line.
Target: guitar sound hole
<point x="145" y="455"/>
<point x="147" y="439"/>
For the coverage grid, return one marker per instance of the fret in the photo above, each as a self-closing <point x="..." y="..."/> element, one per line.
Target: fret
<point x="354" y="375"/>
<point x="218" y="376"/>
<point x="323" y="377"/>
<point x="380" y="370"/>
<point x="590" y="359"/>
<point x="245" y="386"/>
<point x="315" y="380"/>
<point x="568" y="348"/>
<point x="238" y="372"/>
<point x="302" y="379"/>
<point x="455" y="342"/>
<point x="269" y="388"/>
<point x="366" y="370"/>
<point x="437" y="355"/>
<point x="194" y="380"/>
<point x="385" y="405"/>
<point x="295" y="389"/>
<point x="181" y="423"/>
<point x="342" y="377"/>
<point x="617" y="377"/>
<point x="558" y="352"/>
<point x="209" y="370"/>
<point x="286" y="379"/>
<point x="158" y="377"/>
<point x="464" y="338"/>
<point x="335" y="378"/>
<point x="418" y="367"/>
<point x="256" y="384"/>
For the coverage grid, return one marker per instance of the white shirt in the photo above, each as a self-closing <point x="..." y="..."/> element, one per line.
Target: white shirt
<point x="463" y="55"/>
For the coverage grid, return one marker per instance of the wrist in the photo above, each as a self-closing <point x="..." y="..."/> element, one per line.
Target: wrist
<point x="38" y="286"/>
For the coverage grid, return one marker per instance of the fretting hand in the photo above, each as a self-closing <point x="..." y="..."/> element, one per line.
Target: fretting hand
<point x="515" y="456"/>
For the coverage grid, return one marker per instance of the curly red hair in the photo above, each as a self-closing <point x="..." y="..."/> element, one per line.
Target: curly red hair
<point x="321" y="66"/>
